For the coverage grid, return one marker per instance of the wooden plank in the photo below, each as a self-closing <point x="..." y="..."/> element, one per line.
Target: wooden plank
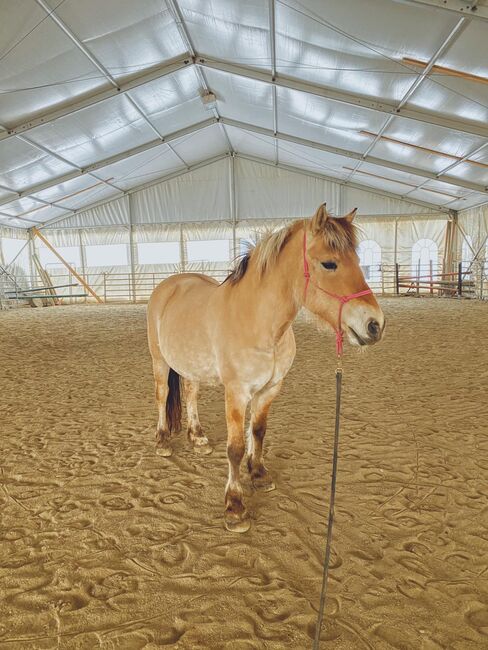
<point x="37" y="233"/>
<point x="452" y="72"/>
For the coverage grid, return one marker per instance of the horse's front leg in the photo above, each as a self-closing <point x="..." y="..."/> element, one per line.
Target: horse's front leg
<point x="260" y="477"/>
<point x="236" y="516"/>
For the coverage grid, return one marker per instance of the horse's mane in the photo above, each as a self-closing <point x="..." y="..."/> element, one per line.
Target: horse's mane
<point x="340" y="236"/>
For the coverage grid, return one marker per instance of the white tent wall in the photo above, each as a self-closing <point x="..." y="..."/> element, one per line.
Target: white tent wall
<point x="472" y="245"/>
<point x="15" y="253"/>
<point x="231" y="200"/>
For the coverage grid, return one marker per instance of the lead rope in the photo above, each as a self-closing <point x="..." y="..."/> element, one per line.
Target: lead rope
<point x="328" y="544"/>
<point x="339" y="348"/>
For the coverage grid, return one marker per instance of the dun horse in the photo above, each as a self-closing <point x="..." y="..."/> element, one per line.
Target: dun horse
<point x="239" y="333"/>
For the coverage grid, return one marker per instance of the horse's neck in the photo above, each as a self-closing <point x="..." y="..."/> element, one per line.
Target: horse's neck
<point x="273" y="299"/>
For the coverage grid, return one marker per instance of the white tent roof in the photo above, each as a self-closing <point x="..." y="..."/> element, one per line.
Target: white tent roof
<point x="98" y="98"/>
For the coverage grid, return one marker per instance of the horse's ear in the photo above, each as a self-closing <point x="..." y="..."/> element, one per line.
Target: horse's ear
<point x="350" y="217"/>
<point x="319" y="218"/>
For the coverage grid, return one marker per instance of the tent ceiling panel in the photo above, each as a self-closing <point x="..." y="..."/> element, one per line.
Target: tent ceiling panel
<point x="6" y="194"/>
<point x="22" y="165"/>
<point x="469" y="53"/>
<point x="126" y="36"/>
<point x="390" y="174"/>
<point x="251" y="144"/>
<point x="325" y="121"/>
<point x="92" y="195"/>
<point x="472" y="172"/>
<point x="433" y="137"/>
<point x="242" y="99"/>
<point x="293" y="157"/>
<point x="41" y="71"/>
<point x="475" y="198"/>
<point x="451" y="97"/>
<point x="30" y="212"/>
<point x="237" y="31"/>
<point x="85" y="137"/>
<point x="74" y="187"/>
<point x="19" y="207"/>
<point x="129" y="171"/>
<point x="200" y="145"/>
<point x="172" y="102"/>
<point x="347" y="50"/>
<point x="346" y="45"/>
<point x="328" y="162"/>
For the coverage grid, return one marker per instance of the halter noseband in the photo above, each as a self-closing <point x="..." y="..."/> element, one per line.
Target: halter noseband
<point x="342" y="299"/>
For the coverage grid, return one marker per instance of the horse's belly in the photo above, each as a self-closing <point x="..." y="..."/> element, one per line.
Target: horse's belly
<point x="186" y="346"/>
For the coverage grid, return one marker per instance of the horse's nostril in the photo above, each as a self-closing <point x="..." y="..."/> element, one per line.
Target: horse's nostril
<point x="374" y="328"/>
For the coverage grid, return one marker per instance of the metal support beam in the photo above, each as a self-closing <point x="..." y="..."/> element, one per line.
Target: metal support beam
<point x="137" y="188"/>
<point x="111" y="160"/>
<point x="134" y="81"/>
<point x="248" y="127"/>
<point x="50" y="12"/>
<point x="189" y="45"/>
<point x="354" y="155"/>
<point x="441" y="174"/>
<point x="466" y="8"/>
<point x="338" y="181"/>
<point x="353" y="99"/>
<point x="232" y="202"/>
<point x="448" y="41"/>
<point x="92" y="58"/>
<point x="274" y="92"/>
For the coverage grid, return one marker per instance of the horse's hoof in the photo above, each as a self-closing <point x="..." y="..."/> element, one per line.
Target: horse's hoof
<point x="164" y="451"/>
<point x="237" y="525"/>
<point x="263" y="485"/>
<point x="202" y="450"/>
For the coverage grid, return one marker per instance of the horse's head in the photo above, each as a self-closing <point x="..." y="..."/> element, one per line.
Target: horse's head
<point x="333" y="267"/>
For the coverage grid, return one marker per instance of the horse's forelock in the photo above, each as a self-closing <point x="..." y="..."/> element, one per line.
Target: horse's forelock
<point x="340" y="235"/>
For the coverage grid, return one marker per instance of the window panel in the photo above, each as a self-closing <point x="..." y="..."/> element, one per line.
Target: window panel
<point x="70" y="253"/>
<point x="210" y="250"/>
<point x="158" y="253"/>
<point x="106" y="255"/>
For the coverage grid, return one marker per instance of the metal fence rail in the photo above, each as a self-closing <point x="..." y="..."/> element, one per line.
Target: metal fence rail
<point x="384" y="279"/>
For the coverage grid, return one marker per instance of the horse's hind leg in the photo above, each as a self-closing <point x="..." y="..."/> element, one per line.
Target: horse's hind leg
<point x="195" y="433"/>
<point x="163" y="435"/>
<point x="260" y="477"/>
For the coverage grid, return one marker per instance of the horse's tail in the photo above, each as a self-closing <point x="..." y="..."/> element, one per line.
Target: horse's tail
<point x="173" y="402"/>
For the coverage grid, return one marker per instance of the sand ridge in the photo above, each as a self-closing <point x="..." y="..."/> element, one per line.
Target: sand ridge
<point x="104" y="544"/>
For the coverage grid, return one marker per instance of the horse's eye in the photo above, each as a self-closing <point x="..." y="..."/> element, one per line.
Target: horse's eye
<point x="330" y="266"/>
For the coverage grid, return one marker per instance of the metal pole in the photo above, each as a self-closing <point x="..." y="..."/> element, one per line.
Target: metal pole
<point x="395" y="256"/>
<point x="82" y="258"/>
<point x="232" y="202"/>
<point x="182" y="251"/>
<point x="132" y="254"/>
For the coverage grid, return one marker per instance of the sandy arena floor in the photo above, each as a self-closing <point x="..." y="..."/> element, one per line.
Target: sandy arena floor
<point x="103" y="544"/>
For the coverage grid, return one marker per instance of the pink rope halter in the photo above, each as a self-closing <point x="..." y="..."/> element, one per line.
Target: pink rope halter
<point x="342" y="299"/>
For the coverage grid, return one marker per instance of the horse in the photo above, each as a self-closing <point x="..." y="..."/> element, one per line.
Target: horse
<point x="239" y="333"/>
